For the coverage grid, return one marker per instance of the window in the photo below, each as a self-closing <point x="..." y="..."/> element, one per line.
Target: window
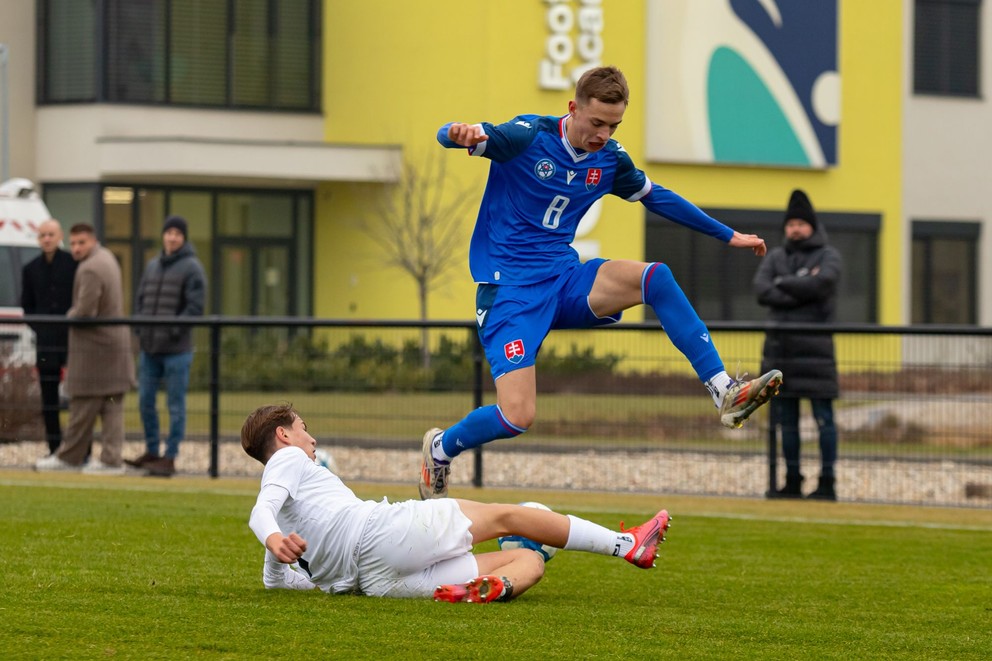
<point x="717" y="279"/>
<point x="136" y="52"/>
<point x="213" y="53"/>
<point x="67" y="57"/>
<point x="255" y="245"/>
<point x="946" y="47"/>
<point x="945" y="271"/>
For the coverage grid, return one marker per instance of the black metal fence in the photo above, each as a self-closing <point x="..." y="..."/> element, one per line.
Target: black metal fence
<point x="618" y="408"/>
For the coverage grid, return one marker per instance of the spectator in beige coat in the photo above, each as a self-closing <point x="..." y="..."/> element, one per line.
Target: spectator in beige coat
<point x="101" y="364"/>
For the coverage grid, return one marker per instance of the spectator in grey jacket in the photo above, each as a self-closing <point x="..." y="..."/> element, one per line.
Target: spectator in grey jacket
<point x="173" y="285"/>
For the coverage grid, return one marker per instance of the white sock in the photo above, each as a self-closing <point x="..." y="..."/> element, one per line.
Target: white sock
<point x="588" y="536"/>
<point x="437" y="450"/>
<point x="718" y="387"/>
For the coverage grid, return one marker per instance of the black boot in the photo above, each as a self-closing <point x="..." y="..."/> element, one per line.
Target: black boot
<point x="792" y="489"/>
<point x="824" y="490"/>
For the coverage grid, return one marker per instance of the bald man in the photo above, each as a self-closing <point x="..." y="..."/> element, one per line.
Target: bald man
<point x="47" y="289"/>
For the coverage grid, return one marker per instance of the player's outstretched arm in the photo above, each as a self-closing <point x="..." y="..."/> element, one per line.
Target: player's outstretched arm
<point x="752" y="241"/>
<point x="462" y="135"/>
<point x="287" y="549"/>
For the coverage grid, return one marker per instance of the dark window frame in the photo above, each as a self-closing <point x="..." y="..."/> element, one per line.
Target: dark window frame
<point x="768" y="224"/>
<point x="924" y="233"/>
<point x="137" y="244"/>
<point x="947" y="62"/>
<point x="102" y="65"/>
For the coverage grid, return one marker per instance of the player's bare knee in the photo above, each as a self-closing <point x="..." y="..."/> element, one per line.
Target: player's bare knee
<point x="530" y="568"/>
<point x="534" y="563"/>
<point x="504" y="516"/>
<point x="520" y="414"/>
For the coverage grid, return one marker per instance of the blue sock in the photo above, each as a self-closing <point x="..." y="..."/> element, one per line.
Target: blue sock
<point x="480" y="426"/>
<point x="684" y="327"/>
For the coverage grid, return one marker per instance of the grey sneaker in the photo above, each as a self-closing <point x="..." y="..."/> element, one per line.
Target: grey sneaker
<point x="744" y="398"/>
<point x="433" y="474"/>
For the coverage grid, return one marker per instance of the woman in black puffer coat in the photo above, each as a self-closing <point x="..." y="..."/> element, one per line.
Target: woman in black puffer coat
<point x="798" y="282"/>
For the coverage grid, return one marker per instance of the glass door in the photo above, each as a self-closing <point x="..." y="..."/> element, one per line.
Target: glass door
<point x="255" y="280"/>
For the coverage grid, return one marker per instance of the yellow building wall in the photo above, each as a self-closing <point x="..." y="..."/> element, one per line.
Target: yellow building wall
<point x="394" y="71"/>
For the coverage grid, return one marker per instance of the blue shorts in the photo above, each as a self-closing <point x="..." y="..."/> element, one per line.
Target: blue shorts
<point x="514" y="319"/>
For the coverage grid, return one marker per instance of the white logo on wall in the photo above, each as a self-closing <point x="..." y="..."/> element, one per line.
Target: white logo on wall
<point x="754" y="83"/>
<point x="557" y="70"/>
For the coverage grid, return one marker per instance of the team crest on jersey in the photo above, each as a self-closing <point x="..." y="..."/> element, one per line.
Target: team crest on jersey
<point x="544" y="169"/>
<point x="514" y="351"/>
<point x="593" y="176"/>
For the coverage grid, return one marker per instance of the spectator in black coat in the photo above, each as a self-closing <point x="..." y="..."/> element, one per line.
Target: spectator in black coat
<point x="47" y="289"/>
<point x="798" y="282"/>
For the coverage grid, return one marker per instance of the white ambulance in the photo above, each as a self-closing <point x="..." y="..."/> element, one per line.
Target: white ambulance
<point x="21" y="212"/>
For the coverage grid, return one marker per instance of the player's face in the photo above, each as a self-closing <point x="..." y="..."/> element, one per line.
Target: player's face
<point x="297" y="435"/>
<point x="592" y="124"/>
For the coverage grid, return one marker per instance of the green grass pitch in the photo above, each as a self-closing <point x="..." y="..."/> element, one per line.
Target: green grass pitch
<point x="139" y="568"/>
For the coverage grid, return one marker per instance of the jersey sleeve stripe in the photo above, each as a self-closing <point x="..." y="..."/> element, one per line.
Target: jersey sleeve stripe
<point x="479" y="149"/>
<point x="641" y="193"/>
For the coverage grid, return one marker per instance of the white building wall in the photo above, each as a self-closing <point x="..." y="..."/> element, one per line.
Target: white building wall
<point x="17" y="32"/>
<point x="947" y="160"/>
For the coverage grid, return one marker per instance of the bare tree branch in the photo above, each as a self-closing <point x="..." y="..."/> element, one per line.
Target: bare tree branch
<point x="420" y="226"/>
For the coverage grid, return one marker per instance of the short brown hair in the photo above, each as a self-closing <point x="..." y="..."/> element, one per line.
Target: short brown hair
<point x="258" y="432"/>
<point x="606" y="84"/>
<point x="82" y="228"/>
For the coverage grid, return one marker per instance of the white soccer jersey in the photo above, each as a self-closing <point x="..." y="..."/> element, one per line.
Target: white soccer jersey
<point x="299" y="496"/>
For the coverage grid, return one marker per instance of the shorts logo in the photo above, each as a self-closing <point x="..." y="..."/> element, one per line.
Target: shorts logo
<point x="544" y="169"/>
<point x="514" y="351"/>
<point x="593" y="175"/>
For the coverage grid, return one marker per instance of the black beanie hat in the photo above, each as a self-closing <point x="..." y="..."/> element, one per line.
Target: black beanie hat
<point x="800" y="207"/>
<point x="176" y="222"/>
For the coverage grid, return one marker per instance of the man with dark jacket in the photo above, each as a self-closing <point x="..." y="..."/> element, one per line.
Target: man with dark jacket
<point x="798" y="282"/>
<point x="47" y="289"/>
<point x="173" y="285"/>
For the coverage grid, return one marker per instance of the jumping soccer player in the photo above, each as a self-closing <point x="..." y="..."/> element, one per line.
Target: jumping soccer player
<point x="545" y="173"/>
<point x="318" y="533"/>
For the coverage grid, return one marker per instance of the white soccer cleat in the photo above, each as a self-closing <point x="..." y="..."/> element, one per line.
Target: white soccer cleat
<point x="745" y="397"/>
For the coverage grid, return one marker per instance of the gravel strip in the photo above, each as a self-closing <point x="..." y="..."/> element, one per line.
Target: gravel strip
<point x="940" y="483"/>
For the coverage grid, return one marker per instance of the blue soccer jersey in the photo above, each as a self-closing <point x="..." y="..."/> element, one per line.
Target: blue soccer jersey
<point x="540" y="187"/>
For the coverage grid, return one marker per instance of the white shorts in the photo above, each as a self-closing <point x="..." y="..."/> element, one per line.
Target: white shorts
<point x="409" y="548"/>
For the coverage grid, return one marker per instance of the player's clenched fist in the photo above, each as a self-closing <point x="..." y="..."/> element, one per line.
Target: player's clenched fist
<point x="286" y="549"/>
<point x="466" y="135"/>
<point x="752" y="241"/>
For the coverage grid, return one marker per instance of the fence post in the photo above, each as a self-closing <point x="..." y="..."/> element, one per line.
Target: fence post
<point x="477" y="400"/>
<point x="772" y="453"/>
<point x="214" y="398"/>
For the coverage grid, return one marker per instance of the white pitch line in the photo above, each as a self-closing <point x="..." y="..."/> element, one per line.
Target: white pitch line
<point x="104" y="486"/>
<point x="844" y="522"/>
<point x="882" y="523"/>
